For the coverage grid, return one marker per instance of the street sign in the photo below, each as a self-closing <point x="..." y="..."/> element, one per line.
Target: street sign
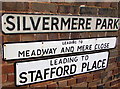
<point x="37" y="23"/>
<point x="47" y="48"/>
<point x="41" y="70"/>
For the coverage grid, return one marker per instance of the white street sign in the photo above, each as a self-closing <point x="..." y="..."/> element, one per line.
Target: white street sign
<point x="35" y="23"/>
<point x="47" y="48"/>
<point x="41" y="70"/>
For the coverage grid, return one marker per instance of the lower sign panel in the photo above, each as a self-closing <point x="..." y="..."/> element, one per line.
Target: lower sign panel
<point x="42" y="70"/>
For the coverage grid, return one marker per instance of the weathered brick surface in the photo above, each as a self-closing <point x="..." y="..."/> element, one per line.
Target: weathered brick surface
<point x="62" y="83"/>
<point x="67" y="9"/>
<point x="107" y="12"/>
<point x="88" y="11"/>
<point x="7" y="69"/>
<point x="71" y="81"/>
<point x="64" y="35"/>
<point x="10" y="78"/>
<point x="43" y="7"/>
<point x="27" y="37"/>
<point x="52" y="85"/>
<point x="53" y="36"/>
<point x="15" y="6"/>
<point x="11" y="38"/>
<point x="41" y="36"/>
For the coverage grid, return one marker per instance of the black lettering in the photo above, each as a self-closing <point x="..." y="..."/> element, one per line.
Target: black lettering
<point x="54" y="21"/>
<point x="24" y="24"/>
<point x="98" y="22"/>
<point x="23" y="77"/>
<point x="21" y="53"/>
<point x="51" y="63"/>
<point x="11" y="23"/>
<point x="38" y="75"/>
<point x="64" y="23"/>
<point x="45" y="51"/>
<point x="33" y="53"/>
<point x="104" y="24"/>
<point x="81" y="23"/>
<point x="88" y="23"/>
<point x="45" y="72"/>
<point x="38" y="51"/>
<point x="116" y="24"/>
<point x="35" y="26"/>
<point x="103" y="64"/>
<point x="94" y="65"/>
<point x="51" y="72"/>
<point x="110" y="22"/>
<point x="73" y="23"/>
<point x="46" y="22"/>
<point x="31" y="72"/>
<point x="84" y="65"/>
<point x="59" y="71"/>
<point x="18" y="23"/>
<point x="98" y="64"/>
<point x="27" y="53"/>
<point x="66" y="68"/>
<point x="73" y="69"/>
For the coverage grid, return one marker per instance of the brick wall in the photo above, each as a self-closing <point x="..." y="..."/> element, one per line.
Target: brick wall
<point x="107" y="78"/>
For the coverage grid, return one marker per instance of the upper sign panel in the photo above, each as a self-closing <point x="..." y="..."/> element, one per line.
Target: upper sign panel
<point x="34" y="23"/>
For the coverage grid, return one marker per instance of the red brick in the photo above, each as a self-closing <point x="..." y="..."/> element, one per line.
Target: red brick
<point x="66" y="9"/>
<point x="52" y="36"/>
<point x="11" y="38"/>
<point x="114" y="82"/>
<point x="106" y="4"/>
<point x="64" y="35"/>
<point x="4" y="78"/>
<point x="10" y="77"/>
<point x="71" y="81"/>
<point x="111" y="67"/>
<point x="43" y="7"/>
<point x="112" y="60"/>
<point x="7" y="69"/>
<point x="67" y="87"/>
<point x="115" y="71"/>
<point x="115" y="87"/>
<point x="41" y="84"/>
<point x="91" y="3"/>
<point x="81" y="79"/>
<point x="89" y="78"/>
<point x="97" y="76"/>
<point x="107" y="84"/>
<point x="84" y="35"/>
<point x="75" y="35"/>
<point x="27" y="37"/>
<point x="15" y="6"/>
<point x="112" y="33"/>
<point x="41" y="36"/>
<point x="82" y="85"/>
<point x="114" y="5"/>
<point x="62" y="83"/>
<point x="52" y="85"/>
<point x="94" y="84"/>
<point x="118" y="64"/>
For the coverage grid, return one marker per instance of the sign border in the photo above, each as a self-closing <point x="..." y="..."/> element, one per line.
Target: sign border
<point x="55" y="54"/>
<point x="15" y="69"/>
